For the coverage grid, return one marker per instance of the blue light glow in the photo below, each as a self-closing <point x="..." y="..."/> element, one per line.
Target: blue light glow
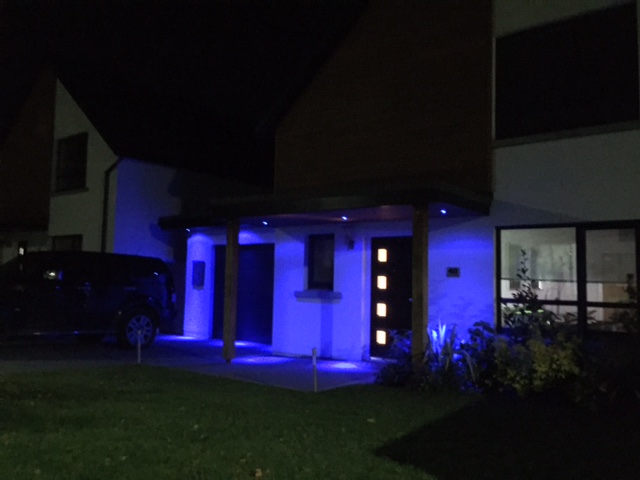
<point x="344" y="218"/>
<point x="443" y="211"/>
<point x="262" y="360"/>
<point x="338" y="366"/>
<point x="264" y="222"/>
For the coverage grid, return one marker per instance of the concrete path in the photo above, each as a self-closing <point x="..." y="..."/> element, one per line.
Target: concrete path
<point x="254" y="362"/>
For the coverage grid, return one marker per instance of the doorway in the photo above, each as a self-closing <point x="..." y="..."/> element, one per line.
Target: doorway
<point x="390" y="291"/>
<point x="255" y="293"/>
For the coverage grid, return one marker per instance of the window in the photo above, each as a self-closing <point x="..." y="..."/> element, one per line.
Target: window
<point x="71" y="165"/>
<point x="581" y="72"/>
<point x="585" y="273"/>
<point x="320" y="262"/>
<point x="66" y="243"/>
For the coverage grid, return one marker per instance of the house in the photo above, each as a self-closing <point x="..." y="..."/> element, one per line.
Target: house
<point x="400" y="178"/>
<point x="439" y="148"/>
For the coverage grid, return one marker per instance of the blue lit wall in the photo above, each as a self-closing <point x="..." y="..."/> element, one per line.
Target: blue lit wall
<point x="339" y="328"/>
<point x="198" y="305"/>
<point x="467" y="245"/>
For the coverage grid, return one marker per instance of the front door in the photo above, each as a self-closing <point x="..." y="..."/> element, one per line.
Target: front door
<point x="255" y="293"/>
<point x="390" y="291"/>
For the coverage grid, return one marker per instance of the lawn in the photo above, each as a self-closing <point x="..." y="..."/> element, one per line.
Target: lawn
<point x="140" y="422"/>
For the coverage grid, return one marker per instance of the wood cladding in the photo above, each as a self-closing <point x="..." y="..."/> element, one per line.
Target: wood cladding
<point x="25" y="161"/>
<point x="407" y="95"/>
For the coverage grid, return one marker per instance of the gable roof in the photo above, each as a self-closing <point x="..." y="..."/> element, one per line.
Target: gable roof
<point x="201" y="85"/>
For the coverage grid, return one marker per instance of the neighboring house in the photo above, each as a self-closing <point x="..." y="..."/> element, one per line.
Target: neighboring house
<point x="440" y="140"/>
<point x="25" y="167"/>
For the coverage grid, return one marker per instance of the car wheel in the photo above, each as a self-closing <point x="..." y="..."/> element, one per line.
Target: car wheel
<point x="137" y="324"/>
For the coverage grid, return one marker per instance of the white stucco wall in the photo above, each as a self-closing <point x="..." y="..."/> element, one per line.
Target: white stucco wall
<point x="80" y="211"/>
<point x="582" y="178"/>
<point x="9" y="241"/>
<point x="144" y="194"/>
<point x="337" y="328"/>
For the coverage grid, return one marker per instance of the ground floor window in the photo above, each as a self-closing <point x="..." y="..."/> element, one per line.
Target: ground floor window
<point x="584" y="273"/>
<point x="61" y="243"/>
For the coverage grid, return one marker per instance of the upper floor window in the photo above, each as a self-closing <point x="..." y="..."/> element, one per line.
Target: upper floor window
<point x="71" y="165"/>
<point x="320" y="262"/>
<point x="577" y="73"/>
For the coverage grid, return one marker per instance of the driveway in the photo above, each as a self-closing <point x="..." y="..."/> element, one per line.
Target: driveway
<point x="254" y="362"/>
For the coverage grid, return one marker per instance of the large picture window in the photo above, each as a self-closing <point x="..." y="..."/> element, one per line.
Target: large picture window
<point x="584" y="274"/>
<point x="576" y="73"/>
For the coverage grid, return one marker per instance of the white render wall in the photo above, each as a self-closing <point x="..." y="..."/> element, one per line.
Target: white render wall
<point x="79" y="211"/>
<point x="36" y="241"/>
<point x="144" y="194"/>
<point x="583" y="178"/>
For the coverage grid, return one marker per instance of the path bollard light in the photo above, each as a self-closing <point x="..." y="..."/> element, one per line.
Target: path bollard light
<point x="314" y="353"/>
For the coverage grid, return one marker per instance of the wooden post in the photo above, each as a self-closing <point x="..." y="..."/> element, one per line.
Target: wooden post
<point x="419" y="283"/>
<point x="230" y="292"/>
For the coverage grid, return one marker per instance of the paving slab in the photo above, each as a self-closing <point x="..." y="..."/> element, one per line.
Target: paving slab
<point x="254" y="362"/>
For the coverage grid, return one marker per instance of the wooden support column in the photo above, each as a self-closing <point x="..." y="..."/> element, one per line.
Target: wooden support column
<point x="230" y="292"/>
<point x="419" y="283"/>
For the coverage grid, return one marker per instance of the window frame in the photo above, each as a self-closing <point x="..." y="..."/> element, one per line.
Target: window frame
<point x="66" y="243"/>
<point x="71" y="162"/>
<point x="315" y="244"/>
<point x="532" y="75"/>
<point x="581" y="303"/>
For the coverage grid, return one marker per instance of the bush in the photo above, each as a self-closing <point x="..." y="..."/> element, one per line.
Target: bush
<point x="537" y="365"/>
<point x="444" y="364"/>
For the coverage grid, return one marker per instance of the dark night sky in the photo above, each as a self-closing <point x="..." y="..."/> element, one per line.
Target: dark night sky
<point x="197" y="84"/>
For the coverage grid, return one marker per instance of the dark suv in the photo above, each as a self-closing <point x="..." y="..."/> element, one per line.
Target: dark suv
<point x="86" y="293"/>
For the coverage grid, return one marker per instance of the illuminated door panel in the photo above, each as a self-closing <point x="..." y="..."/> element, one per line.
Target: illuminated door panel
<point x="390" y="291"/>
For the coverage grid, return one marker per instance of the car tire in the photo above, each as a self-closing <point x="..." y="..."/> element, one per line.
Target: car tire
<point x="137" y="322"/>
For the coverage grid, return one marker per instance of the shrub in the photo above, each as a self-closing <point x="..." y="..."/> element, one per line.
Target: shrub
<point x="537" y="365"/>
<point x="444" y="365"/>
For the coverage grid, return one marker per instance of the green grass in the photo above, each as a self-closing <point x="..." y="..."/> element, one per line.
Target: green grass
<point x="140" y="422"/>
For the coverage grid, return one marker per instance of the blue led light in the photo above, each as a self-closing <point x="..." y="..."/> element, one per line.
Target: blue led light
<point x="264" y="222"/>
<point x="443" y="211"/>
<point x="188" y="229"/>
<point x="344" y="218"/>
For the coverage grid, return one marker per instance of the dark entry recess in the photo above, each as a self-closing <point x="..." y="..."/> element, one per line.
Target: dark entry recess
<point x="255" y="293"/>
<point x="393" y="294"/>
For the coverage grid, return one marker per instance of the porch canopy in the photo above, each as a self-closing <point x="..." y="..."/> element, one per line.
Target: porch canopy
<point x="371" y="203"/>
<point x="407" y="201"/>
